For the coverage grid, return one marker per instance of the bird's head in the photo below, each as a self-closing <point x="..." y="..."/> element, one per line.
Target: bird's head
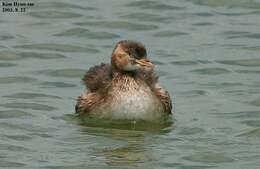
<point x="130" y="56"/>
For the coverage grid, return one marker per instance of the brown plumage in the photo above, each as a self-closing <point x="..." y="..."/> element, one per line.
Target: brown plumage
<point x="98" y="77"/>
<point x="130" y="72"/>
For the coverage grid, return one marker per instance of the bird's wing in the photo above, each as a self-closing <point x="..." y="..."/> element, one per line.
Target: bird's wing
<point x="97" y="77"/>
<point x="149" y="77"/>
<point x="86" y="103"/>
<point x="164" y="97"/>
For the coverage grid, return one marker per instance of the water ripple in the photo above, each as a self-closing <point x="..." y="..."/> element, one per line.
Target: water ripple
<point x="194" y="93"/>
<point x="242" y="62"/>
<point x="223" y="84"/>
<point x="241" y="115"/>
<point x="251" y="48"/>
<point x="169" y="34"/>
<point x="228" y="3"/>
<point x="256" y="102"/>
<point x="16" y="79"/>
<point x="85" y="33"/>
<point x="62" y="5"/>
<point x="154" y="5"/>
<point x="58" y="47"/>
<point x="32" y="106"/>
<point x="119" y="25"/>
<point x="211" y="71"/>
<point x="185" y="166"/>
<point x="8" y="164"/>
<point x="191" y="131"/>
<point x="6" y="37"/>
<point x="185" y="63"/>
<point x="14" y="148"/>
<point x="54" y="14"/>
<point x="245" y="35"/>
<point x="251" y="123"/>
<point x="250" y="133"/>
<point x="203" y="24"/>
<point x="249" y="71"/>
<point x="70" y="73"/>
<point x="13" y="114"/>
<point x="162" y="53"/>
<point x="9" y="55"/>
<point x="26" y="55"/>
<point x="31" y="96"/>
<point x="148" y="17"/>
<point x="204" y="14"/>
<point x="3" y="65"/>
<point x="36" y="129"/>
<point x="209" y="157"/>
<point x="56" y="84"/>
<point x="19" y="137"/>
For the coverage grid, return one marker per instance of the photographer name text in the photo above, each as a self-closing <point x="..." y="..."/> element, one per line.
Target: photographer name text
<point x="16" y="6"/>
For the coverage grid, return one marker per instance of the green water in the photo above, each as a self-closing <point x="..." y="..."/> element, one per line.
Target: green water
<point x="207" y="54"/>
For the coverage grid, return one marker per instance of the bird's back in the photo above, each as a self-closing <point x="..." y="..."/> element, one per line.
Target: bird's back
<point x="97" y="77"/>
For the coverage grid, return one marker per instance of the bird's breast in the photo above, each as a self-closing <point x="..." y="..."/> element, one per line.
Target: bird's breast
<point x="132" y="99"/>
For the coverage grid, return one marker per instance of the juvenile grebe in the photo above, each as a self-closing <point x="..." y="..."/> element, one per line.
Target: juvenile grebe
<point x="125" y="89"/>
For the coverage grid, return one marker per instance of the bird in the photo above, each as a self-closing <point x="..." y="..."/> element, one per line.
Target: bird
<point x="125" y="89"/>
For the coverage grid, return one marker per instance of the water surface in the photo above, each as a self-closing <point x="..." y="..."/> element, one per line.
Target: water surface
<point x="207" y="56"/>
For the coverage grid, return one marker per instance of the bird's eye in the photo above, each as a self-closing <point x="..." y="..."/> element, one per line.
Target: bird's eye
<point x="120" y="55"/>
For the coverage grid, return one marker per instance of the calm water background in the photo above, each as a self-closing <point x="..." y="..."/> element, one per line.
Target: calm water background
<point x="207" y="54"/>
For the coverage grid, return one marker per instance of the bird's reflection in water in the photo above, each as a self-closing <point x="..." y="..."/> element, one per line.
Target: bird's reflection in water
<point x="129" y="155"/>
<point x="129" y="144"/>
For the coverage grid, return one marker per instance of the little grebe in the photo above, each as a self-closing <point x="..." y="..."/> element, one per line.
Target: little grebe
<point x="125" y="89"/>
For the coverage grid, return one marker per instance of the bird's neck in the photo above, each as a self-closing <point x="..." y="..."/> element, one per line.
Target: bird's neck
<point x="118" y="73"/>
<point x="125" y="80"/>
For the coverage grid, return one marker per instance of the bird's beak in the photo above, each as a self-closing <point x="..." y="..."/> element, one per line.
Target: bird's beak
<point x="145" y="63"/>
